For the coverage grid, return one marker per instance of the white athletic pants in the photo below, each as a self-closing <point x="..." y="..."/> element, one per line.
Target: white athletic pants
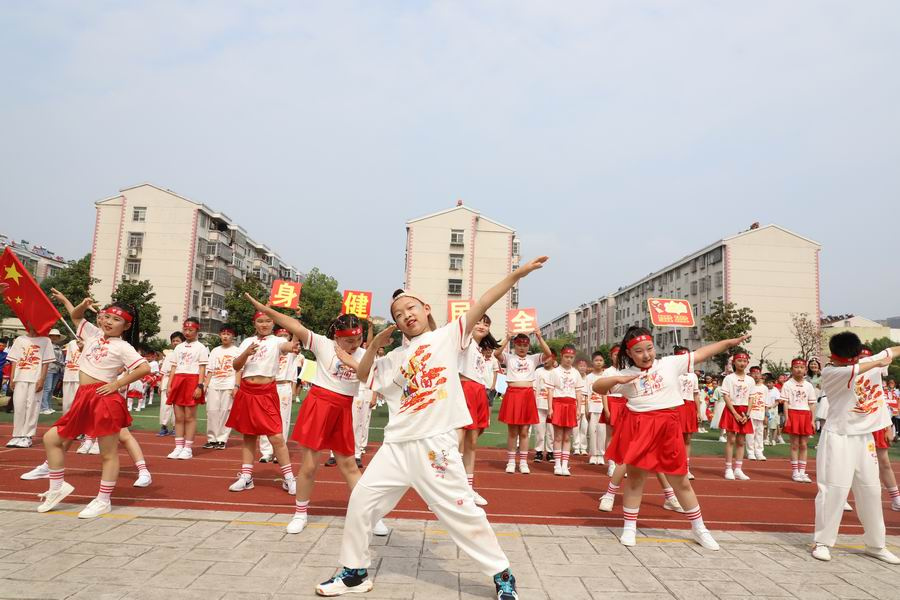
<point x="845" y="462"/>
<point x="717" y="414"/>
<point x="755" y="441"/>
<point x="596" y="435"/>
<point x="27" y="405"/>
<point x="543" y="432"/>
<point x="579" y="435"/>
<point x="433" y="467"/>
<point x="284" y="402"/>
<point x="70" y="388"/>
<point x="166" y="411"/>
<point x="362" y="414"/>
<point x="218" y="407"/>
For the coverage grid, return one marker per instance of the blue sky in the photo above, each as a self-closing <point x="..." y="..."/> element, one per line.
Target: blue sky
<point x="614" y="136"/>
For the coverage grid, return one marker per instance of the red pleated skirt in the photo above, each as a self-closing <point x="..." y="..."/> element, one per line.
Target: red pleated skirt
<point x="650" y="440"/>
<point x="181" y="390"/>
<point x="799" y="422"/>
<point x="93" y="415"/>
<point x="689" y="417"/>
<point x="565" y="413"/>
<point x="616" y="406"/>
<point x="477" y="401"/>
<point x="881" y="440"/>
<point x="256" y="409"/>
<point x="519" y="406"/>
<point x="325" y="422"/>
<point x="730" y="424"/>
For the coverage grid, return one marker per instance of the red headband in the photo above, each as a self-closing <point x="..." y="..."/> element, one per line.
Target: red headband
<point x="741" y="355"/>
<point x="798" y="361"/>
<point x="280" y="330"/>
<point x="865" y="352"/>
<point x="190" y="325"/>
<point x="259" y="314"/>
<point x="755" y="369"/>
<point x="682" y="351"/>
<point x="115" y="310"/>
<point x="348" y="332"/>
<point x="843" y="361"/>
<point x="568" y="352"/>
<point x="638" y="340"/>
<point x="227" y="330"/>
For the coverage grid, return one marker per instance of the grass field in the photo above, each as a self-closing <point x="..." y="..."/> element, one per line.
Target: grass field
<point x="705" y="444"/>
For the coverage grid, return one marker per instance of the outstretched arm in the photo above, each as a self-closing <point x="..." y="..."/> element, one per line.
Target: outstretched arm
<point x="710" y="350"/>
<point x="379" y="341"/>
<point x="75" y="312"/>
<point x="604" y="384"/>
<point x="289" y="323"/>
<point x="544" y="347"/>
<point x="495" y="293"/>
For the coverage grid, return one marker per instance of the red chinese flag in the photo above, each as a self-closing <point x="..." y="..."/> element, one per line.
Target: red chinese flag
<point x="24" y="296"/>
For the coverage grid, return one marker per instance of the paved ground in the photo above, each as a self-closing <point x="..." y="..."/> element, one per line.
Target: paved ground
<point x="174" y="554"/>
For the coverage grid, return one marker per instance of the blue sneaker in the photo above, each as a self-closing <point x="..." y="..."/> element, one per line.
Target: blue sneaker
<point x="163" y="431"/>
<point x="506" y="585"/>
<point x="348" y="581"/>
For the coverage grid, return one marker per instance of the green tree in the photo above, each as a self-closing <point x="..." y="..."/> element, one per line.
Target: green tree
<point x="555" y="344"/>
<point x="879" y="344"/>
<point x="726" y="321"/>
<point x="777" y="368"/>
<point x="320" y="301"/>
<point x="74" y="282"/>
<point x="140" y="294"/>
<point x="240" y="311"/>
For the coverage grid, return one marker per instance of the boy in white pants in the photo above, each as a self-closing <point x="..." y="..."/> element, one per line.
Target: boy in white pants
<point x="221" y="379"/>
<point x="70" y="373"/>
<point x="286" y="384"/>
<point x="846" y="458"/>
<point x="543" y="431"/>
<point x="596" y="430"/>
<point x="757" y="412"/>
<point x="29" y="357"/>
<point x="421" y="449"/>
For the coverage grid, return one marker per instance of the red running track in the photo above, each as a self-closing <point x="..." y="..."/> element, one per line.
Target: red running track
<point x="769" y="502"/>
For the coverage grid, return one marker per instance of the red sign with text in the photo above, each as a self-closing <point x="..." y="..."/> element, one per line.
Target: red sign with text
<point x="285" y="294"/>
<point x="357" y="303"/>
<point x="521" y="320"/>
<point x="668" y="312"/>
<point x="455" y="308"/>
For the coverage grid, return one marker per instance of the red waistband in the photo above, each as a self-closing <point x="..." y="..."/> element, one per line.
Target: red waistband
<point x="256" y="388"/>
<point x="329" y="394"/>
<point x="564" y="400"/>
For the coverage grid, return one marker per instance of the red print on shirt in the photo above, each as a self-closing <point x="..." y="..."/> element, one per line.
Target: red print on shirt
<point x="31" y="358"/>
<point x="424" y="385"/>
<point x="648" y="384"/>
<point x="869" y="396"/>
<point x="99" y="352"/>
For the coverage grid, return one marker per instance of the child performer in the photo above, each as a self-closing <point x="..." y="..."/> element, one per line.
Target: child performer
<point x="543" y="430"/>
<point x="286" y="385"/>
<point x="471" y="376"/>
<point x="613" y="406"/>
<point x="426" y="404"/>
<point x="186" y="387"/>
<point x="845" y="457"/>
<point x="70" y="373"/>
<point x="596" y="429"/>
<point x="166" y="410"/>
<point x="883" y="437"/>
<point x="153" y="361"/>
<point x="519" y="407"/>
<point x="566" y="404"/>
<point x="221" y="379"/>
<point x="29" y="357"/>
<point x="579" y="433"/>
<point x="134" y="394"/>
<point x="799" y="399"/>
<point x="99" y="409"/>
<point x="773" y="396"/>
<point x="491" y="369"/>
<point x="735" y="421"/>
<point x="690" y="409"/>
<point x="325" y="421"/>
<point x="757" y="414"/>
<point x="649" y="437"/>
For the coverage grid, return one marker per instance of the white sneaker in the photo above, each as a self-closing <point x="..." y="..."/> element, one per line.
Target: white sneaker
<point x="557" y="469"/>
<point x="296" y="525"/>
<point x="380" y="529"/>
<point x="290" y="486"/>
<point x="690" y="476"/>
<point x="606" y="503"/>
<point x="96" y="508"/>
<point x="242" y="483"/>
<point x="781" y="440"/>
<point x="805" y="478"/>
<point x="729" y="474"/>
<point x="797" y="477"/>
<point x="673" y="504"/>
<point x="479" y="500"/>
<point x="511" y="467"/>
<point x="611" y="466"/>
<point x="185" y="454"/>
<point x="847" y="506"/>
<point x="761" y="457"/>
<point x="600" y="460"/>
<point x="821" y="552"/>
<point x="592" y="460"/>
<point x="42" y="471"/>
<point x="705" y="538"/>
<point x="84" y="447"/>
<point x="751" y="456"/>
<point x="345" y="582"/>
<point x="564" y="471"/>
<point x="51" y="499"/>
<point x="13" y="442"/>
<point x="523" y="468"/>
<point x="95" y="448"/>
<point x="739" y="474"/>
<point x="175" y="453"/>
<point x="144" y="479"/>
<point x="722" y="439"/>
<point x="895" y="506"/>
<point x="628" y="537"/>
<point x="883" y="554"/>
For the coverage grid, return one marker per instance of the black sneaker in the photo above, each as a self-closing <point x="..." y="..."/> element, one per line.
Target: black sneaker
<point x="220" y="445"/>
<point x="549" y="456"/>
<point x="330" y="462"/>
<point x="359" y="463"/>
<point x="538" y="456"/>
<point x="210" y="445"/>
<point x="266" y="458"/>
<point x="347" y="581"/>
<point x="506" y="585"/>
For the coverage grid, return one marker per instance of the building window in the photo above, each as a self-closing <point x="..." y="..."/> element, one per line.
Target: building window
<point x="135" y="240"/>
<point x="702" y="284"/>
<point x="719" y="279"/>
<point x="195" y="298"/>
<point x="207" y="299"/>
<point x="514" y="297"/>
<point x="139" y="214"/>
<point x="209" y="274"/>
<point x="454" y="287"/>
<point x="133" y="267"/>
<point x="456" y="237"/>
<point x="456" y="262"/>
<point x="517" y="248"/>
<point x="693" y="288"/>
<point x="715" y="256"/>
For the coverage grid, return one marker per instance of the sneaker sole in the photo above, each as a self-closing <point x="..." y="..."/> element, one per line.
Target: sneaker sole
<point x="68" y="490"/>
<point x="28" y="477"/>
<point x="365" y="586"/>
<point x="247" y="487"/>
<point x="83" y="516"/>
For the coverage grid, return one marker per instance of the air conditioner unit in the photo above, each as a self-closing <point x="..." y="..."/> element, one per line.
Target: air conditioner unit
<point x="210" y="257"/>
<point x="204" y="309"/>
<point x="126" y="277"/>
<point x="132" y="252"/>
<point x="208" y="282"/>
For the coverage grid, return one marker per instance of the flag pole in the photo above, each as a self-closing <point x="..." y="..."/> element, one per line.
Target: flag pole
<point x="66" y="323"/>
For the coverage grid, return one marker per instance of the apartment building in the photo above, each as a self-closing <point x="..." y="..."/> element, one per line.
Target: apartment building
<point x="42" y="263"/>
<point x="458" y="254"/>
<point x="769" y="269"/>
<point x="190" y="253"/>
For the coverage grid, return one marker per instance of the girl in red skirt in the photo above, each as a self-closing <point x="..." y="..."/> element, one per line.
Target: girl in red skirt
<point x="186" y="387"/>
<point x="735" y="419"/>
<point x="648" y="438"/>
<point x="883" y="437"/>
<point x="566" y="403"/>
<point x="325" y="420"/>
<point x="98" y="409"/>
<point x="690" y="410"/>
<point x="472" y="368"/>
<point x="519" y="407"/>
<point x="799" y="398"/>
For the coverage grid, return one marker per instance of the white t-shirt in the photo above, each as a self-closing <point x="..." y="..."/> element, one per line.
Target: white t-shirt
<point x="287" y="367"/>
<point x="264" y="362"/>
<point x="154" y="367"/>
<point x="855" y="402"/>
<point x="73" y="353"/>
<point x="658" y="387"/>
<point x="420" y="383"/>
<point x="29" y="354"/>
<point x="738" y="388"/>
<point x="521" y="368"/>
<point x="798" y="395"/>
<point x="188" y="357"/>
<point x="491" y="368"/>
<point x="471" y="362"/>
<point x="611" y="372"/>
<point x="758" y="402"/>
<point x="567" y="383"/>
<point x="689" y="386"/>
<point x="221" y="367"/>
<point x="104" y="358"/>
<point x="543" y="383"/>
<point x="772" y="397"/>
<point x="331" y="373"/>
<point x="595" y="400"/>
<point x="165" y="369"/>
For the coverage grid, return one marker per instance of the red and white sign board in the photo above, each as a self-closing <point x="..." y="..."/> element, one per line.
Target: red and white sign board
<point x="357" y="303"/>
<point x="285" y="294"/>
<point x="521" y="320"/>
<point x="668" y="312"/>
<point x="455" y="308"/>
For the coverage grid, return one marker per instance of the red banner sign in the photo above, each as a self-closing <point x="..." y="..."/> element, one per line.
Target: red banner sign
<point x="285" y="294"/>
<point x="521" y="320"/>
<point x="455" y="308"/>
<point x="668" y="312"/>
<point x="357" y="303"/>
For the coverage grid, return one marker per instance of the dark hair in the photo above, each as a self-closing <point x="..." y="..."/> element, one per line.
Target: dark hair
<point x="865" y="347"/>
<point x="521" y="336"/>
<point x="347" y="321"/>
<point x="769" y="378"/>
<point x="230" y="328"/>
<point x="178" y="335"/>
<point x="811" y="361"/>
<point x="597" y="353"/>
<point x="845" y="345"/>
<point x="678" y="349"/>
<point x="623" y="360"/>
<point x="488" y="342"/>
<point x="132" y="334"/>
